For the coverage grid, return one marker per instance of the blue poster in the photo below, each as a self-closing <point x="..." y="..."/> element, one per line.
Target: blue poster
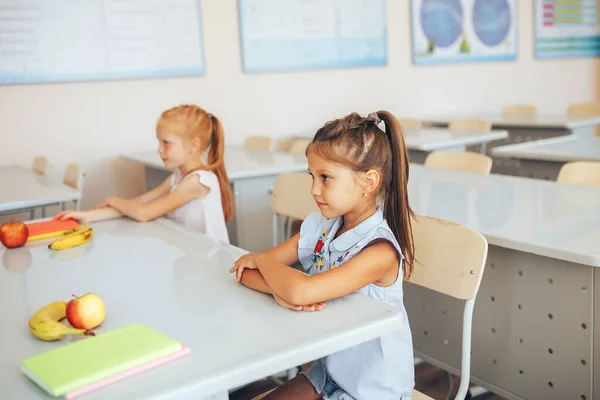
<point x="284" y="35"/>
<point x="448" y="31"/>
<point x="73" y="40"/>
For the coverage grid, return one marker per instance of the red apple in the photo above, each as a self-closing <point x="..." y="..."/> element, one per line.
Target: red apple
<point x="13" y="234"/>
<point x="86" y="312"/>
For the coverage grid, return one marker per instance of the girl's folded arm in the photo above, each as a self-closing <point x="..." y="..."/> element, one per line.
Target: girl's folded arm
<point x="368" y="266"/>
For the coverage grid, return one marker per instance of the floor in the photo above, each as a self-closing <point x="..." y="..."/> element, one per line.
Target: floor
<point x="428" y="380"/>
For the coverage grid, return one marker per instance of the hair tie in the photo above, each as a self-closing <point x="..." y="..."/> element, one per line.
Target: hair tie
<point x="375" y="117"/>
<point x="209" y="115"/>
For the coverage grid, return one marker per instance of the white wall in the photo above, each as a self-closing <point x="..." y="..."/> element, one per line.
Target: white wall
<point x="93" y="123"/>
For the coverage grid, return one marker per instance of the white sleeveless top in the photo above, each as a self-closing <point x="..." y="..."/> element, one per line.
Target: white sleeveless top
<point x="203" y="215"/>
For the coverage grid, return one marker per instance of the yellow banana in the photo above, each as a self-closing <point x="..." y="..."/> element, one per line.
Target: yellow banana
<point x="81" y="235"/>
<point x="45" y="324"/>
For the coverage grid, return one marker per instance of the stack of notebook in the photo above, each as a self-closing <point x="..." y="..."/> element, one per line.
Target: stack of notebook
<point x="50" y="228"/>
<point x="87" y="365"/>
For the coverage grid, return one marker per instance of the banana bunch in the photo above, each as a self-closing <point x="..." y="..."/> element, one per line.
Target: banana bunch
<point x="45" y="324"/>
<point x="76" y="237"/>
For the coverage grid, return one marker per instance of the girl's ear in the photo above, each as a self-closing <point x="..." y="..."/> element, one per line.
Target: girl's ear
<point x="196" y="144"/>
<point x="371" y="181"/>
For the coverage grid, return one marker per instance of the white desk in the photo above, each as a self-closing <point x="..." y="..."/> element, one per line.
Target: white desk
<point x="423" y="141"/>
<point x="542" y="121"/>
<point x="523" y="129"/>
<point x="534" y="319"/>
<point x="176" y="281"/>
<point x="252" y="176"/>
<point x="543" y="159"/>
<point x="22" y="189"/>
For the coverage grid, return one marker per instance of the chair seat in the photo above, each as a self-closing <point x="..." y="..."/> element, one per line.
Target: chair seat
<point x="420" y="396"/>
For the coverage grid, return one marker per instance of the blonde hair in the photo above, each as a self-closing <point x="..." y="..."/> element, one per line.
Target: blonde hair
<point x="189" y="122"/>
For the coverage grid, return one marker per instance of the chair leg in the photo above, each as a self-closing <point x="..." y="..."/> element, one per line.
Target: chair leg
<point x="43" y="212"/>
<point x="32" y="214"/>
<point x="450" y="385"/>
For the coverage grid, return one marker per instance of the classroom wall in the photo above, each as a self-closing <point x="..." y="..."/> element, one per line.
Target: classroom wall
<point x="93" y="123"/>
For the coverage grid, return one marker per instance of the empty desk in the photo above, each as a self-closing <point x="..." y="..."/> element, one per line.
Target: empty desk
<point x="423" y="141"/>
<point x="23" y="190"/>
<point x="536" y="320"/>
<point x="543" y="159"/>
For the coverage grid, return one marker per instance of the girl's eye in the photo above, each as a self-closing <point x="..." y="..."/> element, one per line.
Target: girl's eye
<point x="325" y="178"/>
<point x="311" y="176"/>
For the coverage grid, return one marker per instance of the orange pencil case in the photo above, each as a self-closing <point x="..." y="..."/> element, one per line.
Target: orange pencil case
<point x="51" y="228"/>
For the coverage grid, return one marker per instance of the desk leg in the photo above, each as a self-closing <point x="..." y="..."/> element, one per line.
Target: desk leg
<point x="539" y="169"/>
<point x="533" y="327"/>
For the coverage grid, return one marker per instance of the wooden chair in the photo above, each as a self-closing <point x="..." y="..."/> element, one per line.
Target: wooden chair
<point x="583" y="110"/>
<point x="258" y="142"/>
<point x="410" y="124"/>
<point x="291" y="199"/>
<point x="520" y="110"/>
<point x="299" y="146"/>
<point x="585" y="173"/>
<point x="461" y="161"/>
<point x="74" y="178"/>
<point x="470" y="125"/>
<point x="450" y="259"/>
<point x="40" y="166"/>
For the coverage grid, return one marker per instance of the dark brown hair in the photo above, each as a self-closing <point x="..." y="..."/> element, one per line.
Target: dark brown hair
<point x="190" y="121"/>
<point x="358" y="143"/>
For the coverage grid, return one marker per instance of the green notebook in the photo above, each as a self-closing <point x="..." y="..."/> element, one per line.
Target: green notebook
<point x="81" y="363"/>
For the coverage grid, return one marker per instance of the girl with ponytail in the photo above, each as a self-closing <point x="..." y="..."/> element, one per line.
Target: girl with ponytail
<point x="361" y="241"/>
<point x="197" y="194"/>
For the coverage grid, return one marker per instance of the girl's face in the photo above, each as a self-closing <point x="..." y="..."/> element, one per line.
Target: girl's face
<point x="335" y="188"/>
<point x="172" y="149"/>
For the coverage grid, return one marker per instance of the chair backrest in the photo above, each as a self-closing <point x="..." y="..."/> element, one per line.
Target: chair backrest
<point x="585" y="173"/>
<point x="40" y="165"/>
<point x="583" y="109"/>
<point x="407" y="123"/>
<point x="299" y="146"/>
<point x="73" y="176"/>
<point x="449" y="258"/>
<point x="520" y="110"/>
<point x="460" y="160"/>
<point x="291" y="195"/>
<point x="470" y="125"/>
<point x="258" y="142"/>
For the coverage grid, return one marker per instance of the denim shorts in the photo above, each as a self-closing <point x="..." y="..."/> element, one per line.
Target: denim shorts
<point x="323" y="384"/>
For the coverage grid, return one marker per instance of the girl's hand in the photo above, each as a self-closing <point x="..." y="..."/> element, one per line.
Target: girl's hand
<point x="309" y="308"/>
<point x="245" y="261"/>
<point x="81" y="216"/>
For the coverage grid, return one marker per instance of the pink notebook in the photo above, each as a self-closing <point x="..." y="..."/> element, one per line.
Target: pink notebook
<point x="124" y="375"/>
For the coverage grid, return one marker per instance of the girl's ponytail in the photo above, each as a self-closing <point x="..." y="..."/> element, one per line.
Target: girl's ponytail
<point x="396" y="208"/>
<point x="216" y="164"/>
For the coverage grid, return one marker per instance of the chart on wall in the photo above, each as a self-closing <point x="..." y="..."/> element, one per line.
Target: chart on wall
<point x="74" y="40"/>
<point x="283" y="35"/>
<point x="449" y="31"/>
<point x="567" y="28"/>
